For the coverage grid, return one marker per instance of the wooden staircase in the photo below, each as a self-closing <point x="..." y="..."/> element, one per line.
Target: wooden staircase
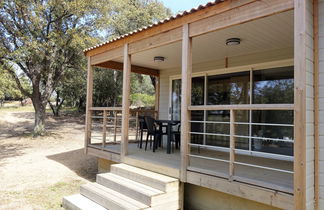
<point x="126" y="187"/>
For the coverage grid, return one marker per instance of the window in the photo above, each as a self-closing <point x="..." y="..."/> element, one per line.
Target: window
<point x="267" y="131"/>
<point x="228" y="89"/>
<point x="273" y="86"/>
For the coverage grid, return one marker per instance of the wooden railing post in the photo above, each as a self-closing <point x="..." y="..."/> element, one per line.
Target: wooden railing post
<point x="104" y="128"/>
<point x="126" y="102"/>
<point x="88" y="121"/>
<point x="185" y="100"/>
<point x="232" y="144"/>
<point x="115" y="126"/>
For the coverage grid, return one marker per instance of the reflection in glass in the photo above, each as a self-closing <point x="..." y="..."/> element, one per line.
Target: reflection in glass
<point x="176" y="99"/>
<point x="197" y="127"/>
<point x="218" y="128"/>
<point x="228" y="89"/>
<point x="198" y="91"/>
<point x="274" y="86"/>
<point x="273" y="131"/>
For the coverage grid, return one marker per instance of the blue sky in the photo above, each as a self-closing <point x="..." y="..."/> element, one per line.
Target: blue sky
<point x="181" y="5"/>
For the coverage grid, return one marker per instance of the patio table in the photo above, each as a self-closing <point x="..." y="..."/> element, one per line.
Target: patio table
<point x="168" y="124"/>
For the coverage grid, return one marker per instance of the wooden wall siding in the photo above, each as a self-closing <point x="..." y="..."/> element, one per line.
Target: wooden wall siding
<point x="321" y="101"/>
<point x="304" y="106"/>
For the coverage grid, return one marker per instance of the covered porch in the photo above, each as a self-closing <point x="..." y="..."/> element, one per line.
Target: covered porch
<point x="230" y="82"/>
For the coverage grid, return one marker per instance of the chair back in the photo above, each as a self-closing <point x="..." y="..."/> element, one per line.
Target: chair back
<point x="150" y="124"/>
<point x="142" y="123"/>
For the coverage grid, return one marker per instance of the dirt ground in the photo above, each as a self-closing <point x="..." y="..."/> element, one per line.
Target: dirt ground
<point x="35" y="173"/>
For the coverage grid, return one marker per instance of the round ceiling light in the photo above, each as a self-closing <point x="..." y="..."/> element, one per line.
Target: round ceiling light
<point x="159" y="59"/>
<point x="233" y="41"/>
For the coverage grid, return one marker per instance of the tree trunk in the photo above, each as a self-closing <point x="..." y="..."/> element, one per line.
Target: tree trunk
<point x="40" y="115"/>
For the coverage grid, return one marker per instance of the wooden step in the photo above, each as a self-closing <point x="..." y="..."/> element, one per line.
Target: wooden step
<point x="109" y="198"/>
<point x="135" y="190"/>
<point x="154" y="180"/>
<point x="79" y="202"/>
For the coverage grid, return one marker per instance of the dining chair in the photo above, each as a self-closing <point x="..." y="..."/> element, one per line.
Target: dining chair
<point x="151" y="132"/>
<point x="177" y="137"/>
<point x="142" y="128"/>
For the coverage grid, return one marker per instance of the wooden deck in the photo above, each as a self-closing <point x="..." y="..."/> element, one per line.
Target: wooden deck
<point x="169" y="164"/>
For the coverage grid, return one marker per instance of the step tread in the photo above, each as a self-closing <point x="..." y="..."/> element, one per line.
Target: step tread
<point x="143" y="172"/>
<point x="80" y="202"/>
<point x="114" y="196"/>
<point x="136" y="186"/>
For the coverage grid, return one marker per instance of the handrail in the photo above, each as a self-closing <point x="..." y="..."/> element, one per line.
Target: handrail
<point x="105" y="108"/>
<point x="242" y="107"/>
<point x="231" y="149"/>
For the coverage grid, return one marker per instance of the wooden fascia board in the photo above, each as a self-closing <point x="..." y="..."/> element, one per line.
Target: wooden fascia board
<point x="136" y="69"/>
<point x="176" y="23"/>
<point x="240" y="15"/>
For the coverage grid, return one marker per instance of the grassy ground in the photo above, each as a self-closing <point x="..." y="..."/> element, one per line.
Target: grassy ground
<point x="37" y="172"/>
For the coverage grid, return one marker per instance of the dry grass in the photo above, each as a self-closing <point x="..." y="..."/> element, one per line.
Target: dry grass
<point x="37" y="172"/>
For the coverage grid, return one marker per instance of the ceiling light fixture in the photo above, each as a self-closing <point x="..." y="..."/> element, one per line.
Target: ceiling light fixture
<point x="159" y="59"/>
<point x="233" y="41"/>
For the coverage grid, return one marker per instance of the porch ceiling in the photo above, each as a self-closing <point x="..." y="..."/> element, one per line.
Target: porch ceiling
<point x="266" y="34"/>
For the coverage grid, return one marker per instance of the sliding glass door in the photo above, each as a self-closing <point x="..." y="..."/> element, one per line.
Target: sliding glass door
<point x="266" y="131"/>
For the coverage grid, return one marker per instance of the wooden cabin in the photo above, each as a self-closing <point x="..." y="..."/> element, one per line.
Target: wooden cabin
<point x="243" y="78"/>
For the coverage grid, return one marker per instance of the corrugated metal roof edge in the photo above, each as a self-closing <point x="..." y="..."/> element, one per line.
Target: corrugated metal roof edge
<point x="187" y="12"/>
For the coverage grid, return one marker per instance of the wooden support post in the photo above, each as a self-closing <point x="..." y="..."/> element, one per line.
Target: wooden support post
<point x="115" y="126"/>
<point x="300" y="14"/>
<point x="157" y="97"/>
<point x="126" y="102"/>
<point x="88" y="121"/>
<point x="232" y="144"/>
<point x="185" y="100"/>
<point x="104" y="128"/>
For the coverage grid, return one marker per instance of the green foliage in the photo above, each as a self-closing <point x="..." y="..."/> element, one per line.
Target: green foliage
<point x="45" y="39"/>
<point x="142" y="100"/>
<point x="107" y="88"/>
<point x="123" y="16"/>
<point x="9" y="89"/>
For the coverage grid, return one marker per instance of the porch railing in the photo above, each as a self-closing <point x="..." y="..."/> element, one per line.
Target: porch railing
<point x="105" y="127"/>
<point x="222" y="160"/>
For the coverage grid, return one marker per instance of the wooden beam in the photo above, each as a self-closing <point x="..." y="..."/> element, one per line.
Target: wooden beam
<point x="250" y="192"/>
<point x="126" y="103"/>
<point x="136" y="69"/>
<point x="167" y="26"/>
<point x="300" y="104"/>
<point x="236" y="16"/>
<point x="88" y="121"/>
<point x="316" y="103"/>
<point x="106" y="56"/>
<point x="185" y="99"/>
<point x="157" y="40"/>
